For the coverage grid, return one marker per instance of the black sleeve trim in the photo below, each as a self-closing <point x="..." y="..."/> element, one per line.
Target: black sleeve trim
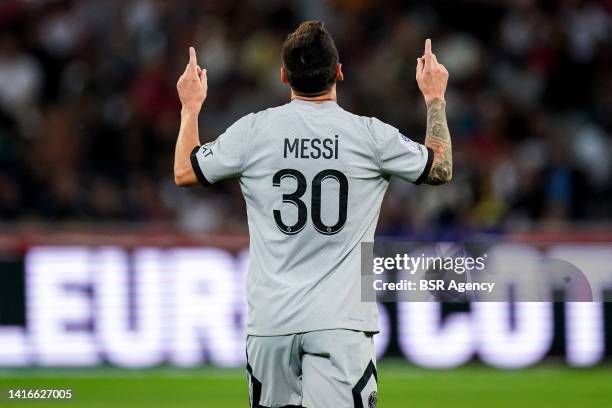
<point x="196" y="167"/>
<point x="427" y="169"/>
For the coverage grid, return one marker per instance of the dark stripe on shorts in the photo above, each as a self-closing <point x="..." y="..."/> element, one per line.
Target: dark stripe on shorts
<point x="255" y="386"/>
<point x="358" y="388"/>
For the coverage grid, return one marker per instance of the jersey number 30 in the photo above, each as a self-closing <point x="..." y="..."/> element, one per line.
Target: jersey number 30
<point x="295" y="199"/>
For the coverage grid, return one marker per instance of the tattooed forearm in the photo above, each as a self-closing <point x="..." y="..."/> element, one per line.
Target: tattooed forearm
<point x="438" y="139"/>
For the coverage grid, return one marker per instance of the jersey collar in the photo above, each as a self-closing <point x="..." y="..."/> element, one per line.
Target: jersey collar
<point x="314" y="105"/>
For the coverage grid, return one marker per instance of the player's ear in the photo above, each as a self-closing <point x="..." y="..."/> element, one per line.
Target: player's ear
<point x="283" y="77"/>
<point x="339" y="73"/>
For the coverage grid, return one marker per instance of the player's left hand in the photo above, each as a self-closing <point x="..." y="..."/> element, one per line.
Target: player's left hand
<point x="192" y="86"/>
<point x="431" y="76"/>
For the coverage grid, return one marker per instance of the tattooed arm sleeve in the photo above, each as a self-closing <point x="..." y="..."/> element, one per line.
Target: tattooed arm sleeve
<point x="438" y="139"/>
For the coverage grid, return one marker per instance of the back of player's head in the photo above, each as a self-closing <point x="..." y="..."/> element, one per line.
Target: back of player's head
<point x="310" y="58"/>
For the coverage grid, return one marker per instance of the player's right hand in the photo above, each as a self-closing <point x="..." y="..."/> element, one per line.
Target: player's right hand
<point x="192" y="86"/>
<point x="431" y="76"/>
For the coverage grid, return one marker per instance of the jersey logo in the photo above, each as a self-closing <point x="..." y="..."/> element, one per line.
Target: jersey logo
<point x="406" y="138"/>
<point x="206" y="149"/>
<point x="373" y="399"/>
<point x="409" y="142"/>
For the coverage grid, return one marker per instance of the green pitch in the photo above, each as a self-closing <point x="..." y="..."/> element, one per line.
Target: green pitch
<point x="401" y="385"/>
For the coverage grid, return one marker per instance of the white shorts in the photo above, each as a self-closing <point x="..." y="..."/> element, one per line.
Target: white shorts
<point x="319" y="369"/>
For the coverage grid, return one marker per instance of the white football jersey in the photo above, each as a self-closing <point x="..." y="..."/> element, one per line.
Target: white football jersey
<point x="313" y="177"/>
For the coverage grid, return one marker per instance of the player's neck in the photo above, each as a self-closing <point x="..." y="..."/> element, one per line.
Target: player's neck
<point x="326" y="97"/>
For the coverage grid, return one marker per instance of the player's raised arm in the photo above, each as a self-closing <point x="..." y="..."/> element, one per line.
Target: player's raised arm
<point x="192" y="87"/>
<point x="432" y="78"/>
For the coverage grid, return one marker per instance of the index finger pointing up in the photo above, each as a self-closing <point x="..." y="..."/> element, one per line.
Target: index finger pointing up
<point x="193" y="61"/>
<point x="427" y="46"/>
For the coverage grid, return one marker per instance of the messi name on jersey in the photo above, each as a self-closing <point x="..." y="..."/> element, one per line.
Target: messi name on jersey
<point x="311" y="148"/>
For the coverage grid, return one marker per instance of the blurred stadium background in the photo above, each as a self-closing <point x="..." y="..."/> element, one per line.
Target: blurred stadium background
<point x="108" y="268"/>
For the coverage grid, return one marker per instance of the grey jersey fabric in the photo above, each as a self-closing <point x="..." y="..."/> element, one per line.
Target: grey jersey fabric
<point x="313" y="177"/>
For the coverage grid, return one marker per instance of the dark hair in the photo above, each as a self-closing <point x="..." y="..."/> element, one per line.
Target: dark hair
<point x="310" y="58"/>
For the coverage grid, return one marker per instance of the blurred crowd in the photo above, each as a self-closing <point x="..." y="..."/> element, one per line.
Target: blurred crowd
<point x="89" y="113"/>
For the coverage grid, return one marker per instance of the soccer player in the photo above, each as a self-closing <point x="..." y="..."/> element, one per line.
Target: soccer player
<point x="313" y="177"/>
